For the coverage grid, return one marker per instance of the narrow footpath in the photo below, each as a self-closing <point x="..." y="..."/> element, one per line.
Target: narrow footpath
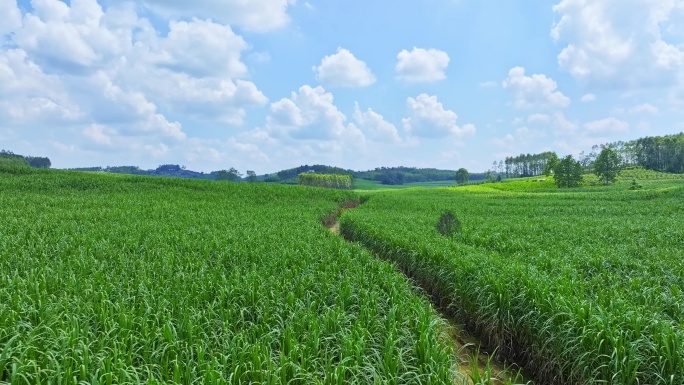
<point x="468" y="355"/>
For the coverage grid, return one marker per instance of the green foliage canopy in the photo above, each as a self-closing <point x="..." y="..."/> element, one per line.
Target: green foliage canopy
<point x="10" y="158"/>
<point x="607" y="165"/>
<point x="525" y="165"/>
<point x="336" y="181"/>
<point x="462" y="175"/>
<point x="568" y="172"/>
<point x="13" y="161"/>
<point x="551" y="164"/>
<point x="232" y="175"/>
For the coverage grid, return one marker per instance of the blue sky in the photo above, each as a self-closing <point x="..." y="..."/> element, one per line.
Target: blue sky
<point x="265" y="85"/>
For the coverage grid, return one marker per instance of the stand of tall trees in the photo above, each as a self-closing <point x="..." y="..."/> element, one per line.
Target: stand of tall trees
<point x="291" y="175"/>
<point x="567" y="172"/>
<point x="659" y="153"/>
<point x="524" y="165"/>
<point x="663" y="153"/>
<point x="338" y="181"/>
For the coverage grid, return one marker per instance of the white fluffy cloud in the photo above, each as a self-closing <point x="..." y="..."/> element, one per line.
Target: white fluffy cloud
<point x="374" y="123"/>
<point x="609" y="125"/>
<point x="536" y="91"/>
<point x="422" y="65"/>
<point x="111" y="84"/>
<point x="310" y="114"/>
<point x="10" y="17"/>
<point x="253" y="15"/>
<point x="28" y="95"/>
<point x="99" y="134"/>
<point x="207" y="99"/>
<point x="68" y="39"/>
<point x="196" y="70"/>
<point x="201" y="48"/>
<point x="429" y="118"/>
<point x="586" y="98"/>
<point x="343" y="69"/>
<point x="79" y="60"/>
<point x="521" y="138"/>
<point x="538" y="118"/>
<point x="557" y="121"/>
<point x="133" y="106"/>
<point x="645" y="108"/>
<point x="620" y="42"/>
<point x="489" y="84"/>
<point x="562" y="125"/>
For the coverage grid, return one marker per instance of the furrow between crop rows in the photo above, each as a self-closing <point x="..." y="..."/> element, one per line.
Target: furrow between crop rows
<point x="470" y="358"/>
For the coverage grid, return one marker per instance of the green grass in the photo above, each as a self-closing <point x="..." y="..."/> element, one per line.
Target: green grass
<point x="111" y="279"/>
<point x="583" y="286"/>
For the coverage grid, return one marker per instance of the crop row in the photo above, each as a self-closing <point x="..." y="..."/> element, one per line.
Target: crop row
<point x="118" y="279"/>
<point x="582" y="287"/>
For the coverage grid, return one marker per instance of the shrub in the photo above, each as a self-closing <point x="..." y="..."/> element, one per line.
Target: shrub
<point x="448" y="225"/>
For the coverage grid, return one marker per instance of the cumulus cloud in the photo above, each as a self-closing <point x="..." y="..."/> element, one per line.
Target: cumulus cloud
<point x="586" y="98"/>
<point x="607" y="126"/>
<point x="374" y="123"/>
<point x="69" y="39"/>
<point x="29" y="95"/>
<point x="208" y="99"/>
<point x="343" y="69"/>
<point x="422" y="65"/>
<point x="40" y="110"/>
<point x="429" y="118"/>
<point x="518" y="139"/>
<point x="252" y="15"/>
<point x="645" y="108"/>
<point x="10" y="17"/>
<point x="539" y="118"/>
<point x="310" y="114"/>
<point x="196" y="69"/>
<point x="557" y="121"/>
<point x="562" y="125"/>
<point x="99" y="134"/>
<point x="605" y="44"/>
<point x="536" y="91"/>
<point x="201" y="48"/>
<point x="133" y="106"/>
<point x="114" y="79"/>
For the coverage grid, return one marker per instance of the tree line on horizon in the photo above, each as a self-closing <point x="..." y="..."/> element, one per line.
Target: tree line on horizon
<point x="12" y="159"/>
<point x="400" y="175"/>
<point x="657" y="153"/>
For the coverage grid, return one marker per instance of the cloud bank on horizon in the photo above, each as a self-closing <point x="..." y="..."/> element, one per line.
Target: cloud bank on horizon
<point x="271" y="84"/>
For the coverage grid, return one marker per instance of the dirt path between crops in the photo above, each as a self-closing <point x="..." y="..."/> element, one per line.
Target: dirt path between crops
<point x="465" y="346"/>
